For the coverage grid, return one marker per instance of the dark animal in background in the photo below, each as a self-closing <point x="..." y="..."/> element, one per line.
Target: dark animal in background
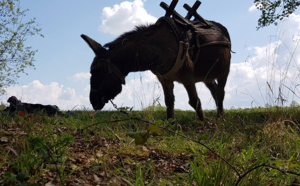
<point x="17" y="105"/>
<point x="14" y="102"/>
<point x="174" y="49"/>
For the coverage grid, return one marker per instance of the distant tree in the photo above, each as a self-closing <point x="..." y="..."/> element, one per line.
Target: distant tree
<point x="15" y="56"/>
<point x="274" y="10"/>
<point x="294" y="104"/>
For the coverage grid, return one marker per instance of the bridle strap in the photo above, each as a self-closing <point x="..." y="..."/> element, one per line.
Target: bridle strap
<point x="112" y="69"/>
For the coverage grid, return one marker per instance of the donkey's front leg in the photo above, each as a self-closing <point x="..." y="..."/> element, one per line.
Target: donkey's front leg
<point x="168" y="87"/>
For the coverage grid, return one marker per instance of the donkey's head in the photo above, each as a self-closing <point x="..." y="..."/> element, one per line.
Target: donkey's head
<point x="106" y="78"/>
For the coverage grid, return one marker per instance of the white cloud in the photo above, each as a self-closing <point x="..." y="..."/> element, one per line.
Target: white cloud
<point x="124" y="17"/>
<point x="272" y="73"/>
<point x="67" y="94"/>
<point x="254" y="7"/>
<point x="139" y="92"/>
<point x="52" y="94"/>
<point x="81" y="76"/>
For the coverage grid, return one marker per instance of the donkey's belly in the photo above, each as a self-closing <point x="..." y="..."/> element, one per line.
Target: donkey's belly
<point x="213" y="63"/>
<point x="210" y="73"/>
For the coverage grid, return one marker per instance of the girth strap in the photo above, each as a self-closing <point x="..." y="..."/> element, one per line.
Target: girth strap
<point x="181" y="57"/>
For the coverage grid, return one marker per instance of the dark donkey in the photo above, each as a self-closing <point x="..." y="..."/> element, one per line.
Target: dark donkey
<point x="157" y="48"/>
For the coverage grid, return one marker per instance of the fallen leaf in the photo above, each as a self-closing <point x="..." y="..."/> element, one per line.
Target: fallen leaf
<point x="211" y="156"/>
<point x="52" y="183"/>
<point x="73" y="166"/>
<point x="145" y="149"/>
<point x="4" y="139"/>
<point x="96" y="178"/>
<point x="118" y="137"/>
<point x="102" y="174"/>
<point x="140" y="137"/>
<point x="154" y="129"/>
<point x="99" y="154"/>
<point x="22" y="113"/>
<point x="11" y="150"/>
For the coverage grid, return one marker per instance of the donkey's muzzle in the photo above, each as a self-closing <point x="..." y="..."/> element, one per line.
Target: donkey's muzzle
<point x="97" y="101"/>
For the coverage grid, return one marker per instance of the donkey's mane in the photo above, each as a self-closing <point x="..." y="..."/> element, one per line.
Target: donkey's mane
<point x="136" y="34"/>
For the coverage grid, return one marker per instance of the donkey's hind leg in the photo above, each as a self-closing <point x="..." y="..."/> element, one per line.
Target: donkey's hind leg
<point x="221" y="94"/>
<point x="218" y="93"/>
<point x="213" y="87"/>
<point x="194" y="100"/>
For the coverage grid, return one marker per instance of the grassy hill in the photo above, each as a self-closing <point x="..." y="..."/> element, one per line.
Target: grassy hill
<point x="246" y="147"/>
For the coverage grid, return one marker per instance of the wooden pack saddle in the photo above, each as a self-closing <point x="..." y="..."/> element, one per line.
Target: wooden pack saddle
<point x="192" y="34"/>
<point x="196" y="33"/>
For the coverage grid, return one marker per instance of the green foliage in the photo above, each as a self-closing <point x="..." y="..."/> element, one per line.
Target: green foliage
<point x="142" y="137"/>
<point x="19" y="179"/>
<point x="257" y="146"/>
<point x="2" y="106"/>
<point x="144" y="170"/>
<point x="214" y="174"/>
<point x="36" y="152"/>
<point x="155" y="128"/>
<point x="15" y="56"/>
<point x="139" y="137"/>
<point x="155" y="108"/>
<point x="294" y="104"/>
<point x="274" y="10"/>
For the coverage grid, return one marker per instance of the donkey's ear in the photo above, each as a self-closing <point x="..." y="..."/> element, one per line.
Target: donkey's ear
<point x="95" y="46"/>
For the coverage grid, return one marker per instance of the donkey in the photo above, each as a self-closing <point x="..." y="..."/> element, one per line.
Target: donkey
<point x="155" y="47"/>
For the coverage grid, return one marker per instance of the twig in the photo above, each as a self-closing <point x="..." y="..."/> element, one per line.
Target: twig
<point x="114" y="121"/>
<point x="264" y="165"/>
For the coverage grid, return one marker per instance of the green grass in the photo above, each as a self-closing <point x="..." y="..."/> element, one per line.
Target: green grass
<point x="247" y="147"/>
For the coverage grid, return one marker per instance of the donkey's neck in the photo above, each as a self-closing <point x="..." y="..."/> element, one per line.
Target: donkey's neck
<point x="137" y="58"/>
<point x="154" y="50"/>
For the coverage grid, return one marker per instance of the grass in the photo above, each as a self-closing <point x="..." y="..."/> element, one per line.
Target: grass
<point x="247" y="147"/>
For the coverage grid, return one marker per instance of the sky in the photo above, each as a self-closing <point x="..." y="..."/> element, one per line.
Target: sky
<point x="265" y="65"/>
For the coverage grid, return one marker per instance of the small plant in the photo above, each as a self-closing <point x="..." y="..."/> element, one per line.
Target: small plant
<point x="36" y="153"/>
<point x="144" y="175"/>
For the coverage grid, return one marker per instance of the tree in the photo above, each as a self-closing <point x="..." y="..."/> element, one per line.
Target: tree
<point x="15" y="56"/>
<point x="294" y="104"/>
<point x="274" y="10"/>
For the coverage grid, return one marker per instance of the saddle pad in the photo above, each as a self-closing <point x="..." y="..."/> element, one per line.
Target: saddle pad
<point x="208" y="35"/>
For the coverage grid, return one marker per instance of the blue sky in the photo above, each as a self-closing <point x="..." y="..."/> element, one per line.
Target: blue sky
<point x="268" y="56"/>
